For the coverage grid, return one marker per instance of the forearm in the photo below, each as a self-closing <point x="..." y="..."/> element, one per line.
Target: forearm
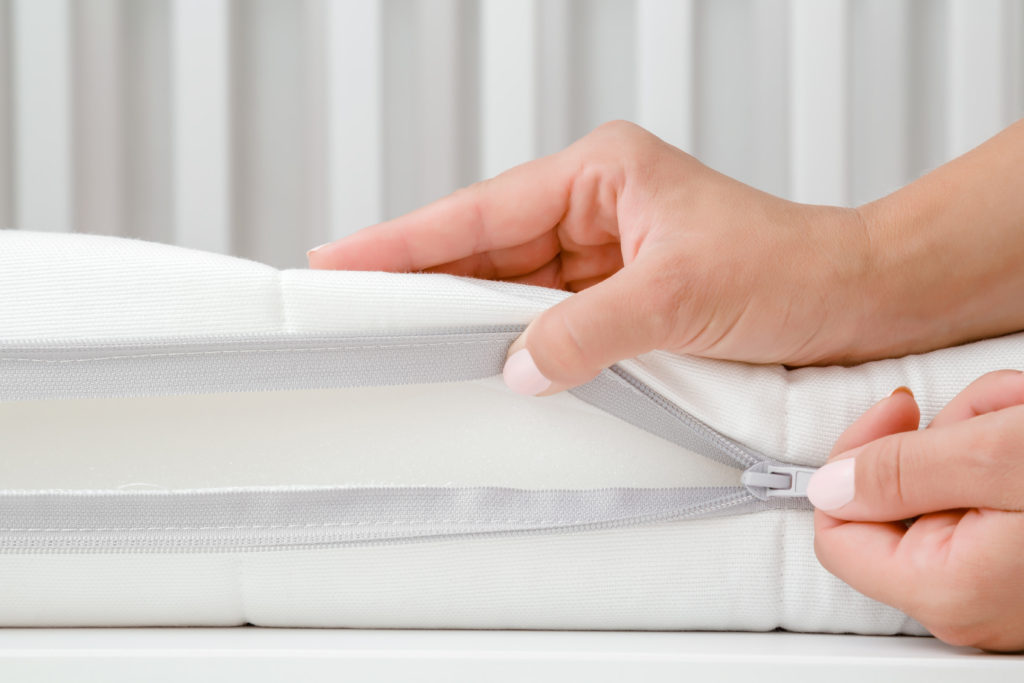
<point x="948" y="253"/>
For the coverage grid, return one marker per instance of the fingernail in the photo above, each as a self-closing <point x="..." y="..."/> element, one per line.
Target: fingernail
<point x="905" y="390"/>
<point x="317" y="248"/>
<point x="831" y="487"/>
<point x="522" y="376"/>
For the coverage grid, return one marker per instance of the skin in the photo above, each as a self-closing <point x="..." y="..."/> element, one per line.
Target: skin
<point x="959" y="568"/>
<point x="666" y="253"/>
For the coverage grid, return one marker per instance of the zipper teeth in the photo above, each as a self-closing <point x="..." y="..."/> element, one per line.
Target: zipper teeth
<point x="710" y="437"/>
<point x="82" y="544"/>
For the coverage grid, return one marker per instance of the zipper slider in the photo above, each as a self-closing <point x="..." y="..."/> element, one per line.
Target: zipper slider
<point x="771" y="480"/>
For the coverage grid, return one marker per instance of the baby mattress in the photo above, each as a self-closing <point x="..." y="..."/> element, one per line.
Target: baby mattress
<point x="194" y="439"/>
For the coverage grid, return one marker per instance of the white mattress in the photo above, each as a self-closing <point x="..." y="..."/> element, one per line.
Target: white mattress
<point x="130" y="432"/>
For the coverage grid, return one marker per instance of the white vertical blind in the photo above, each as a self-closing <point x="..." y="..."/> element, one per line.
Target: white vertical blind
<point x="555" y="95"/>
<point x="201" y="95"/>
<point x="354" y="105"/>
<point x="665" y="69"/>
<point x="768" y="113"/>
<point x="818" y="100"/>
<point x="880" y="83"/>
<point x="508" y="34"/>
<point x="41" y="42"/>
<point x="276" y="173"/>
<point x="148" y="131"/>
<point x="98" y="121"/>
<point x="977" y="97"/>
<point x="263" y="128"/>
<point x="6" y="197"/>
<point x="438" y="61"/>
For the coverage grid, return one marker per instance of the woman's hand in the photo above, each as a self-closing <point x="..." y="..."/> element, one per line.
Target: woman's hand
<point x="668" y="254"/>
<point x="959" y="567"/>
<point x="665" y="253"/>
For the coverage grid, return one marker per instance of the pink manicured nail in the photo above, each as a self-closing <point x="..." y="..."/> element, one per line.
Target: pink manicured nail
<point x="831" y="487"/>
<point x="522" y="376"/>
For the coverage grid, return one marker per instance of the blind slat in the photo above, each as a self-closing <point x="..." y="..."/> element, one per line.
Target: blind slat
<point x="41" y="40"/>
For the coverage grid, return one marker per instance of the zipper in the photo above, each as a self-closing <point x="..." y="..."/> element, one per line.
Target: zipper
<point x="91" y="520"/>
<point x="763" y="478"/>
<point x="770" y="480"/>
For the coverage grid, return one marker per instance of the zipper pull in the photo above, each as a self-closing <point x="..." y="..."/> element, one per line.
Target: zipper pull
<point x="771" y="480"/>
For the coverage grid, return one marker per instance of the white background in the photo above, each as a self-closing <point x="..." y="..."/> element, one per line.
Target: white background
<point x="265" y="127"/>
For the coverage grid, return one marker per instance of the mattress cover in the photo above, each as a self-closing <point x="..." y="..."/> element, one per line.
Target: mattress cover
<point x="194" y="439"/>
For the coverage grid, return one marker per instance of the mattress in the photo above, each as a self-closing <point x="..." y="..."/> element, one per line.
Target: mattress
<point x="194" y="439"/>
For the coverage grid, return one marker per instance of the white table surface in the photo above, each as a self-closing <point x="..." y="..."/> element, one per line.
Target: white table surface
<point x="258" y="654"/>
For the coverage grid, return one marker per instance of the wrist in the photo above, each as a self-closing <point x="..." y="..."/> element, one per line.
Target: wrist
<point x="941" y="272"/>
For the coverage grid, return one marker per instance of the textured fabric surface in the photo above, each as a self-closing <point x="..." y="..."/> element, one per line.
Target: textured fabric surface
<point x="74" y="286"/>
<point x="753" y="571"/>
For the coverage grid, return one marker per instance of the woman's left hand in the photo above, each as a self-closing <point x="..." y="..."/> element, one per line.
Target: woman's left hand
<point x="958" y="568"/>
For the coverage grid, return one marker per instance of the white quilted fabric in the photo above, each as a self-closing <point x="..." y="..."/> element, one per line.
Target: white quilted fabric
<point x="745" y="572"/>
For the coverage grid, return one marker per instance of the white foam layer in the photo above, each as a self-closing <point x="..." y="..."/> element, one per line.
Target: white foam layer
<point x="467" y="434"/>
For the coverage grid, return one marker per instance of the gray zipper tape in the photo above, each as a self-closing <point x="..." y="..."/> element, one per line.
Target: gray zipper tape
<point x="247" y="363"/>
<point x="246" y="519"/>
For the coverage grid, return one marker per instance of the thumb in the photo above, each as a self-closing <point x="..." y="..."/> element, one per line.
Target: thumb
<point x="570" y="343"/>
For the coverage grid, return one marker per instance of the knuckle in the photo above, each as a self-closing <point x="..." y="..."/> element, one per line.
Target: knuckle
<point x="990" y="447"/>
<point x="619" y="128"/>
<point x="882" y="473"/>
<point x="473" y="198"/>
<point x="622" y="141"/>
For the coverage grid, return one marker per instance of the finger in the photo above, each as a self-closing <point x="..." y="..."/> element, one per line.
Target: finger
<point x="972" y="463"/>
<point x="885" y="560"/>
<point x="842" y="546"/>
<point x="571" y="342"/>
<point x="513" y="208"/>
<point x="585" y="263"/>
<point x="580" y="285"/>
<point x="987" y="394"/>
<point x="549" y="275"/>
<point x="895" y="413"/>
<point x="514" y="261"/>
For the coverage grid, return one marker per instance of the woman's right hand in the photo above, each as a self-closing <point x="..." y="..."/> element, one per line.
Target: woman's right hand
<point x="664" y="252"/>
